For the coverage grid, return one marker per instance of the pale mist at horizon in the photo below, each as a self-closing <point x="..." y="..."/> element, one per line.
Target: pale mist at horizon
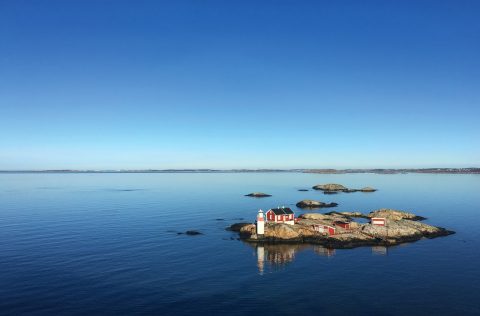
<point x="213" y="84"/>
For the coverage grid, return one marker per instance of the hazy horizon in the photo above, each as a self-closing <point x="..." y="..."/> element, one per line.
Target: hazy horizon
<point x="251" y="84"/>
<point x="232" y="169"/>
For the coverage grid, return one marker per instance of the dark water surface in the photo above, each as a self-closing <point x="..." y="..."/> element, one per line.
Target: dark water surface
<point x="108" y="244"/>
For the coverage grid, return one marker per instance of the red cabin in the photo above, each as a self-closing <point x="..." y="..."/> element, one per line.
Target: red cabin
<point x="324" y="229"/>
<point x="378" y="221"/>
<point x="330" y="229"/>
<point x="281" y="215"/>
<point x="344" y="225"/>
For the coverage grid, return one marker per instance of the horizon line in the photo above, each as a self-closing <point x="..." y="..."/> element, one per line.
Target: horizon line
<point x="212" y="170"/>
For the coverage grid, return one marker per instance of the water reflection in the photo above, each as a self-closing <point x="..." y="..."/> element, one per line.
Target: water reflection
<point x="380" y="250"/>
<point x="277" y="256"/>
<point x="322" y="251"/>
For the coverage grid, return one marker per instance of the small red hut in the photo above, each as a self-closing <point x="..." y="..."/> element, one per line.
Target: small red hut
<point x="344" y="225"/>
<point x="324" y="229"/>
<point x="330" y="229"/>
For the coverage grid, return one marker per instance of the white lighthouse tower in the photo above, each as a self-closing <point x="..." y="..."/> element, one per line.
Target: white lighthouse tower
<point x="260" y="224"/>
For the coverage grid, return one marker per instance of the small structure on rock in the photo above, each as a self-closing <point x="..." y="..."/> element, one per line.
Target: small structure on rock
<point x="344" y="225"/>
<point x="260" y="224"/>
<point x="281" y="215"/>
<point x="379" y="221"/>
<point x="324" y="229"/>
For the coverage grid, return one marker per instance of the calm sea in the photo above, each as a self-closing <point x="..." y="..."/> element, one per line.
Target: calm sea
<point x="76" y="244"/>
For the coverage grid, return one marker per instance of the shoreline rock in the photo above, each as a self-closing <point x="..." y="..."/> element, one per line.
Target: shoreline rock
<point x="237" y="226"/>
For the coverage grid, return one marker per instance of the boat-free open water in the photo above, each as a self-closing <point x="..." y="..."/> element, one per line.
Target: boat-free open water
<point x="76" y="244"/>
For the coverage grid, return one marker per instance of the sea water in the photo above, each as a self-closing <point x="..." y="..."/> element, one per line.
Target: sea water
<point x="75" y="244"/>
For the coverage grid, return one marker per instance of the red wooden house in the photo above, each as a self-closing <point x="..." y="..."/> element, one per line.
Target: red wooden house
<point x="281" y="215"/>
<point x="344" y="225"/>
<point x="324" y="229"/>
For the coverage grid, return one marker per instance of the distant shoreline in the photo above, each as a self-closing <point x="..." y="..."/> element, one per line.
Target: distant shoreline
<point x="315" y="171"/>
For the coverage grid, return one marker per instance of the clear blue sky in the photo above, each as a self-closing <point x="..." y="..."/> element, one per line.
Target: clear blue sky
<point x="232" y="84"/>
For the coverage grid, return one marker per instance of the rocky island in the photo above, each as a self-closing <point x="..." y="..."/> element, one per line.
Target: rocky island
<point x="314" y="204"/>
<point x="340" y="229"/>
<point x="332" y="188"/>
<point x="258" y="194"/>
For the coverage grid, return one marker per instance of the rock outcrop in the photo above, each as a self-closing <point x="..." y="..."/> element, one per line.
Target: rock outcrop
<point x="282" y="231"/>
<point x="352" y="214"/>
<point x="314" y="204"/>
<point x="329" y="187"/>
<point x="332" y="188"/>
<point x="395" y="215"/>
<point x="248" y="230"/>
<point x="238" y="226"/>
<point x="368" y="189"/>
<point x="401" y="227"/>
<point x="258" y="194"/>
<point x="313" y="216"/>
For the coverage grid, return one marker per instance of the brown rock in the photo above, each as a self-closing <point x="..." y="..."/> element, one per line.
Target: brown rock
<point x="314" y="216"/>
<point x="394" y="214"/>
<point x="314" y="204"/>
<point x="247" y="230"/>
<point x="238" y="226"/>
<point x="281" y="231"/>
<point x="329" y="187"/>
<point x="258" y="194"/>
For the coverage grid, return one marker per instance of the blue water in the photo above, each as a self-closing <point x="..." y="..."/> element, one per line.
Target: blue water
<point x="76" y="244"/>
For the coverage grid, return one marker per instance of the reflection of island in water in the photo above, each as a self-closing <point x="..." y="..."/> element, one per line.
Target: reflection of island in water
<point x="277" y="256"/>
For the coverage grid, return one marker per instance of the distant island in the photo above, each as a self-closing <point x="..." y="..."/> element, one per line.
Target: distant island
<point x="472" y="170"/>
<point x="395" y="171"/>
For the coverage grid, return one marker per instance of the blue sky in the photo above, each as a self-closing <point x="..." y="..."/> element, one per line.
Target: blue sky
<point x="239" y="84"/>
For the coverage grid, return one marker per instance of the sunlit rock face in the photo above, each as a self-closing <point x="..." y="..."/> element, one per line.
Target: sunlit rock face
<point x="394" y="214"/>
<point x="329" y="187"/>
